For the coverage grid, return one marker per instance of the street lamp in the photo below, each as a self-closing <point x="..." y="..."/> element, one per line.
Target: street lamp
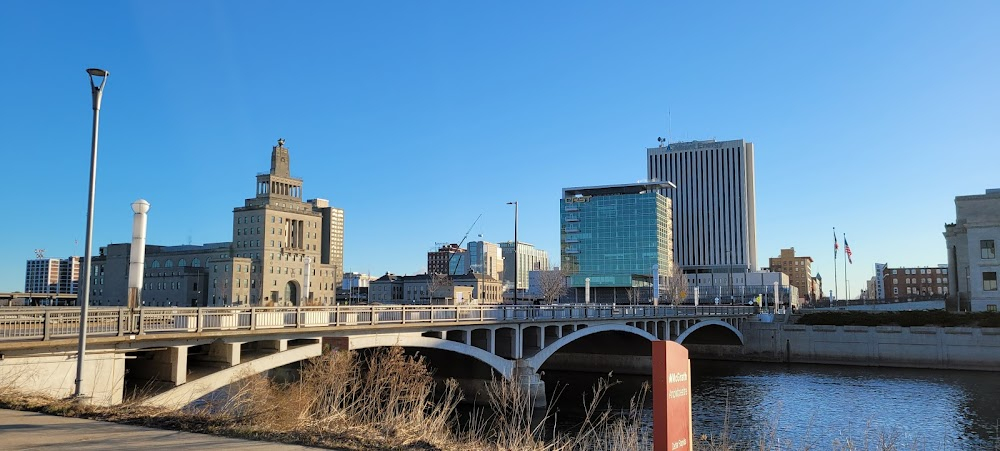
<point x="514" y="203"/>
<point x="96" y="91"/>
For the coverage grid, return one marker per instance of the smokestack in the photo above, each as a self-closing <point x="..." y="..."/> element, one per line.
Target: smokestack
<point x="138" y="257"/>
<point x="305" y="282"/>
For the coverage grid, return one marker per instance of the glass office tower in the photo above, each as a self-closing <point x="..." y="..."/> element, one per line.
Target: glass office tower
<point x="618" y="236"/>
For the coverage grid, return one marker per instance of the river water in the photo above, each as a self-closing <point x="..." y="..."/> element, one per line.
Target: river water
<point x="794" y="406"/>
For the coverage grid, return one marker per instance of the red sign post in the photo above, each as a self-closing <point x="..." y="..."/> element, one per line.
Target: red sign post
<point x="671" y="397"/>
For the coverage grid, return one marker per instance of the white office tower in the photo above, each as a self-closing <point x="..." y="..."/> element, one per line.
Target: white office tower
<point x="713" y="206"/>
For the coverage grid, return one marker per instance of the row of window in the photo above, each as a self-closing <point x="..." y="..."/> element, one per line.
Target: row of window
<point x="923" y="271"/>
<point x="924" y="280"/>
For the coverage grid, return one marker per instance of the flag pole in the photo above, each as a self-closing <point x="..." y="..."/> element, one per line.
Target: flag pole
<point x="847" y="287"/>
<point x="836" y="289"/>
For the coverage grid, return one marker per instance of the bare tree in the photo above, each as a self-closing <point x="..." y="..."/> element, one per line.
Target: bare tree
<point x="633" y="295"/>
<point x="677" y="286"/>
<point x="438" y="285"/>
<point x="552" y="285"/>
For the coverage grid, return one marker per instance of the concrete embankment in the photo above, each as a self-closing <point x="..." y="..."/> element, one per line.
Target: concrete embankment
<point x="964" y="348"/>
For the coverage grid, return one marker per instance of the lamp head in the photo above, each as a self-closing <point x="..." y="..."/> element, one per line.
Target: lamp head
<point x="97" y="72"/>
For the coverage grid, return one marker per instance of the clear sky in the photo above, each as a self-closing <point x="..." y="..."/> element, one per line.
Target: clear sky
<point x="415" y="117"/>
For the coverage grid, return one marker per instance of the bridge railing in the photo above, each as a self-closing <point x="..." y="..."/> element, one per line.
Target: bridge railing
<point x="23" y="324"/>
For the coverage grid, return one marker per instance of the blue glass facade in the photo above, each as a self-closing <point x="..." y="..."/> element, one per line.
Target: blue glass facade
<point x="615" y="237"/>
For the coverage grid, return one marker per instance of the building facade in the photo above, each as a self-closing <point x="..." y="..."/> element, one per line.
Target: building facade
<point x="714" y="211"/>
<point x="528" y="258"/>
<point x="449" y="259"/>
<point x="485" y="258"/>
<point x="52" y="275"/>
<point x="617" y="236"/>
<point x="485" y="289"/>
<point x="740" y="288"/>
<point x="972" y="258"/>
<point x="798" y="269"/>
<point x="915" y="282"/>
<point x="285" y="251"/>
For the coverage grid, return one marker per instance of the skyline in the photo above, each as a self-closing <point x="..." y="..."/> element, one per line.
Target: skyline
<point x="412" y="117"/>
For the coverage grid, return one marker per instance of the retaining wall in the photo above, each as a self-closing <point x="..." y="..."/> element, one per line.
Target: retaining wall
<point x="967" y="348"/>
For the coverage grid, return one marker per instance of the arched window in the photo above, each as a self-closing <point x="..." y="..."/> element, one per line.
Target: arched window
<point x="196" y="263"/>
<point x="168" y="264"/>
<point x="156" y="263"/>
<point x="182" y="263"/>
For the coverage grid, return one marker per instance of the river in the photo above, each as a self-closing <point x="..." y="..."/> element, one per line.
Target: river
<point x="822" y="406"/>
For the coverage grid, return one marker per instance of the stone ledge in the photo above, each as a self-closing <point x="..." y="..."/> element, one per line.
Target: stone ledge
<point x="824" y="328"/>
<point x="889" y="329"/>
<point x="924" y="330"/>
<point x="958" y="330"/>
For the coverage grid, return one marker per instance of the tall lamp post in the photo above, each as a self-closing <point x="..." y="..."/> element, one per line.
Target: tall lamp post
<point x="514" y="203"/>
<point x="96" y="91"/>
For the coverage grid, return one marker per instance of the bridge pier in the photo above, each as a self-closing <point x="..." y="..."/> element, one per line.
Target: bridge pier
<point x="166" y="365"/>
<point x="228" y="353"/>
<point x="528" y="378"/>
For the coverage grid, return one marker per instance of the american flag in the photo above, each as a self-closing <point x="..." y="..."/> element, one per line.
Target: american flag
<point x="847" y="250"/>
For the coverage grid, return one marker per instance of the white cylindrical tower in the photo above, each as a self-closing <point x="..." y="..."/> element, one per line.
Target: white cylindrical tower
<point x="656" y="284"/>
<point x="137" y="259"/>
<point x="305" y="280"/>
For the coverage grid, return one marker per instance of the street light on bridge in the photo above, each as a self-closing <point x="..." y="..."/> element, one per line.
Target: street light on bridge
<point x="514" y="203"/>
<point x="96" y="92"/>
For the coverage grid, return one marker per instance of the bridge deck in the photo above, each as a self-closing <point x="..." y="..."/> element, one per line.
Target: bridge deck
<point x="26" y="325"/>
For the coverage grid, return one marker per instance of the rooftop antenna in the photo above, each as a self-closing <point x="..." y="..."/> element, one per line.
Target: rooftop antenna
<point x="39" y="253"/>
<point x="660" y="140"/>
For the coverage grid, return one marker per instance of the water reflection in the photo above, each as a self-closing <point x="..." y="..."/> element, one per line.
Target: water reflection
<point x="816" y="406"/>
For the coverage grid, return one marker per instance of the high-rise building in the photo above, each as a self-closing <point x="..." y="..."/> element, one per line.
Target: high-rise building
<point x="714" y="215"/>
<point x="485" y="258"/>
<point x="528" y="259"/>
<point x="618" y="237"/>
<point x="285" y="251"/>
<point x="52" y="275"/>
<point x="449" y="259"/>
<point x="797" y="268"/>
<point x="972" y="251"/>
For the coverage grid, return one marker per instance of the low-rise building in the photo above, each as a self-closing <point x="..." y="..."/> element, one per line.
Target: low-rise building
<point x="915" y="282"/>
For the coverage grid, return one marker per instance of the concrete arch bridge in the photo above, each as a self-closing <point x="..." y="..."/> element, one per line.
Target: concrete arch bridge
<point x="192" y="352"/>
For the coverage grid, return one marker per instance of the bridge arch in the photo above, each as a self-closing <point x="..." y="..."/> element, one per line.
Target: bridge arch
<point x="499" y="364"/>
<point x="709" y="323"/>
<point x="538" y="359"/>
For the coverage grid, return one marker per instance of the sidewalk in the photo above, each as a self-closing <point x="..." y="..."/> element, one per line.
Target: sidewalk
<point x="36" y="431"/>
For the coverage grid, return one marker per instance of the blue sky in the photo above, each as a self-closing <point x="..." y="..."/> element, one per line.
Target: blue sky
<point x="415" y="117"/>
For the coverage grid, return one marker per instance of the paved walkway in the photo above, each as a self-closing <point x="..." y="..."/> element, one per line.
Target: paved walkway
<point x="36" y="431"/>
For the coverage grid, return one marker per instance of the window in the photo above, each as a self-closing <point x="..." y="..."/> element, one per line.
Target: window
<point x="990" y="281"/>
<point x="168" y="264"/>
<point x="182" y="263"/>
<point x="991" y="308"/>
<point x="895" y="290"/>
<point x="156" y="263"/>
<point x="988" y="248"/>
<point x="894" y="271"/>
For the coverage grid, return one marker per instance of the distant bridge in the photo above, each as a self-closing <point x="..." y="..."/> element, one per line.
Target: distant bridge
<point x="6" y="299"/>
<point x="193" y="351"/>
